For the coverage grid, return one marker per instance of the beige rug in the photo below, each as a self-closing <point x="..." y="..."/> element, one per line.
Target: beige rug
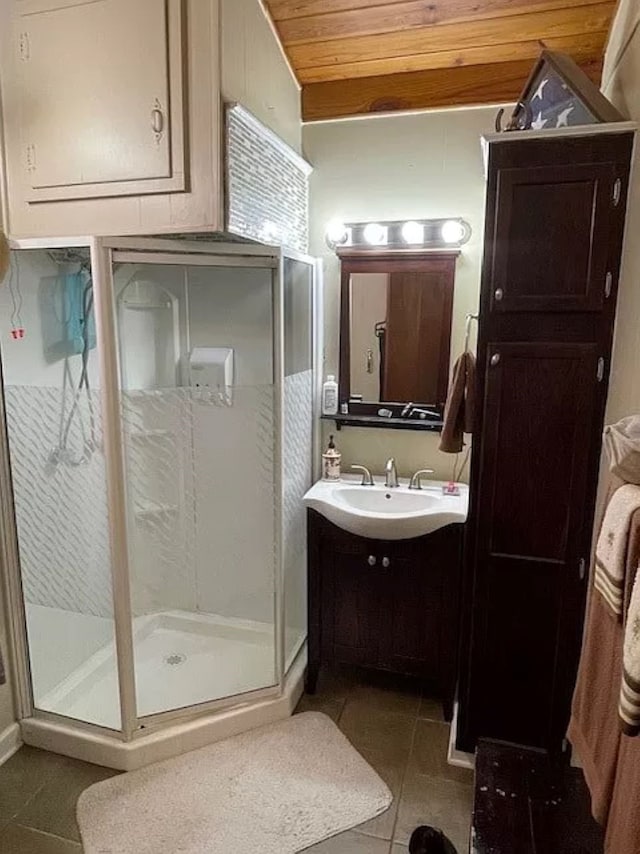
<point x="274" y="790"/>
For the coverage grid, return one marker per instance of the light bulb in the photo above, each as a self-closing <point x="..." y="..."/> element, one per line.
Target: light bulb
<point x="413" y="232"/>
<point x="336" y="233"/>
<point x="375" y="234"/>
<point x="452" y="231"/>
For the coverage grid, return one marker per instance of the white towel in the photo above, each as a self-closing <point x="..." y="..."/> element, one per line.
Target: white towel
<point x="630" y="691"/>
<point x="611" y="550"/>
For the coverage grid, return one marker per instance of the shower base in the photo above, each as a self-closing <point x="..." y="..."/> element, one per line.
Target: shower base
<point x="182" y="659"/>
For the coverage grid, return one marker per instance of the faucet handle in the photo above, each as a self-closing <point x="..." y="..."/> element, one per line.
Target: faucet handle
<point x="416" y="478"/>
<point x="367" y="479"/>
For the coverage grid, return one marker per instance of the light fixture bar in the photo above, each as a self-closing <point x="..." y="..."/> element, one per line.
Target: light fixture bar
<point x="449" y="233"/>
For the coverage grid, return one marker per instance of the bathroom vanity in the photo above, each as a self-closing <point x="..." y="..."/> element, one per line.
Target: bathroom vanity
<point x="386" y="604"/>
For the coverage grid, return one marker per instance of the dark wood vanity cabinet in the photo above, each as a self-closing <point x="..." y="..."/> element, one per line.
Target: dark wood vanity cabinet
<point x="554" y="226"/>
<point x="392" y="606"/>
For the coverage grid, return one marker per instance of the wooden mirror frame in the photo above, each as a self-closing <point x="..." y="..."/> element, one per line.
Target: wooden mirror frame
<point x="388" y="261"/>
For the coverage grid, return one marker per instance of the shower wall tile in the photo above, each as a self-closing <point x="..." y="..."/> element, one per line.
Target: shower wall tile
<point x="60" y="500"/>
<point x="267" y="184"/>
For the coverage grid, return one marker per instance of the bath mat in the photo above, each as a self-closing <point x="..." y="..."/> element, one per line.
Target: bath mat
<point x="275" y="790"/>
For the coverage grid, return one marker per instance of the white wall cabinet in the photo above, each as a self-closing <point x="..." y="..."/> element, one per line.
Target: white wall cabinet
<point x="111" y="119"/>
<point x="101" y="109"/>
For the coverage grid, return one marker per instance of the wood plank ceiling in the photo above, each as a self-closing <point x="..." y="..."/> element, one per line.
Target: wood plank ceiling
<point x="362" y="56"/>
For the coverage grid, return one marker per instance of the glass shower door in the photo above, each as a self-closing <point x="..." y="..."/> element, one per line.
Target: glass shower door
<point x="198" y="366"/>
<point x="53" y="403"/>
<point x="298" y="470"/>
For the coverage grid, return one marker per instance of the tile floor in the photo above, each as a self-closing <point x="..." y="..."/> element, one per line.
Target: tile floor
<point x="400" y="732"/>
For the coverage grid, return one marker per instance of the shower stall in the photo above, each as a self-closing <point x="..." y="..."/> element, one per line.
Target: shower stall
<point x="159" y="404"/>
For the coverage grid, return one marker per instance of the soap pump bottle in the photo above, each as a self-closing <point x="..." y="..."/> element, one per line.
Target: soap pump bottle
<point x="331" y="462"/>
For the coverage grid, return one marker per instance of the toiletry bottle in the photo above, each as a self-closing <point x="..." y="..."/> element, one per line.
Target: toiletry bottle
<point x="330" y="396"/>
<point x="331" y="462"/>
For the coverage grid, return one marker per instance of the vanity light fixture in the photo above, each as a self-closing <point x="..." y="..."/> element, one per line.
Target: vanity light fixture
<point x="375" y="234"/>
<point x="399" y="235"/>
<point x="413" y="233"/>
<point x="453" y="231"/>
<point x="337" y="233"/>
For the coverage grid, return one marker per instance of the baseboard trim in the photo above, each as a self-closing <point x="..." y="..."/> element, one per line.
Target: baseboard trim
<point x="454" y="756"/>
<point x="10" y="742"/>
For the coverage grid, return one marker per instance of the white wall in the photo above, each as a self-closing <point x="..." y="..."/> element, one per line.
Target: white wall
<point x="398" y="167"/>
<point x="255" y="72"/>
<point x="621" y="84"/>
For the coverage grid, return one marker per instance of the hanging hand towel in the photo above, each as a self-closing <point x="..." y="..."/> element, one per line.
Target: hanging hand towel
<point x="613" y="542"/>
<point x="622" y="444"/>
<point x="459" y="411"/>
<point x="629" y="707"/>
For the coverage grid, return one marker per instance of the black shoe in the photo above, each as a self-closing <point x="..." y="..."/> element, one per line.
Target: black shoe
<point x="428" y="840"/>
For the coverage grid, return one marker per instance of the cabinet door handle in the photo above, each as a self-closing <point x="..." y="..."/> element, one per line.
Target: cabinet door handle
<point x="495" y="359"/>
<point x="372" y="560"/>
<point x="498" y="294"/>
<point x="386" y="562"/>
<point x="157" y="121"/>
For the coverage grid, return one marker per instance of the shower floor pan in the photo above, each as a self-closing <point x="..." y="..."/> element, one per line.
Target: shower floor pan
<point x="181" y="659"/>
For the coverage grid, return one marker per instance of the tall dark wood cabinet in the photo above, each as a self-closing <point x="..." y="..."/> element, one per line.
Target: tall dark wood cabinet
<point x="553" y="237"/>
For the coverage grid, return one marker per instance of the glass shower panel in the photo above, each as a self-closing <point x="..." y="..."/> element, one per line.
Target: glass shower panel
<point x="52" y="399"/>
<point x="298" y="446"/>
<point x="196" y="348"/>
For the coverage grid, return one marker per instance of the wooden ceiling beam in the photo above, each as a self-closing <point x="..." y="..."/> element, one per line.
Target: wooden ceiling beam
<point x="577" y="20"/>
<point x="406" y="15"/>
<point x="282" y="10"/>
<point x="581" y="48"/>
<point x="465" y="86"/>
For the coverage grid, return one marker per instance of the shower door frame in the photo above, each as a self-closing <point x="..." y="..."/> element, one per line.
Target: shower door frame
<point x="163" y="250"/>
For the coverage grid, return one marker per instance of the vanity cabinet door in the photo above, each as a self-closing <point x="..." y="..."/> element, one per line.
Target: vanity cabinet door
<point x="351" y="600"/>
<point x="101" y="97"/>
<point x="419" y="627"/>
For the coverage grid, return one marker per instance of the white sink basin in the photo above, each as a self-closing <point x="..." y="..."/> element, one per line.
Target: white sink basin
<point x="387" y="514"/>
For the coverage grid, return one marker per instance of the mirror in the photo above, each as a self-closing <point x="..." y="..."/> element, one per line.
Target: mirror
<point x="395" y="343"/>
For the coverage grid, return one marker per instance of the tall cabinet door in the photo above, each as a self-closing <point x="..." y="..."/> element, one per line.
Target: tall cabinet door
<point x="551" y="227"/>
<point x="542" y="398"/>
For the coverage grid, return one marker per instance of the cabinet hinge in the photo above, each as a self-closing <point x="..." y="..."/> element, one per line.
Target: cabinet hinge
<point x="582" y="568"/>
<point x="617" y="192"/>
<point x="24" y="47"/>
<point x="600" y="370"/>
<point x="31" y="157"/>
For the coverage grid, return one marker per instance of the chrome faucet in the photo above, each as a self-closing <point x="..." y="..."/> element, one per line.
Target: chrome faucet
<point x="415" y="480"/>
<point x="423" y="413"/>
<point x="367" y="480"/>
<point x="391" y="480"/>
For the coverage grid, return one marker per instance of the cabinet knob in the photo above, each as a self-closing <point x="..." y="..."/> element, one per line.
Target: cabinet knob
<point x="495" y="359"/>
<point x="498" y="295"/>
<point x="372" y="560"/>
<point x="386" y="562"/>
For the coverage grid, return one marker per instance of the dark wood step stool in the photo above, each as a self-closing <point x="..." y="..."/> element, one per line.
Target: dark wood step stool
<point x="527" y="803"/>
